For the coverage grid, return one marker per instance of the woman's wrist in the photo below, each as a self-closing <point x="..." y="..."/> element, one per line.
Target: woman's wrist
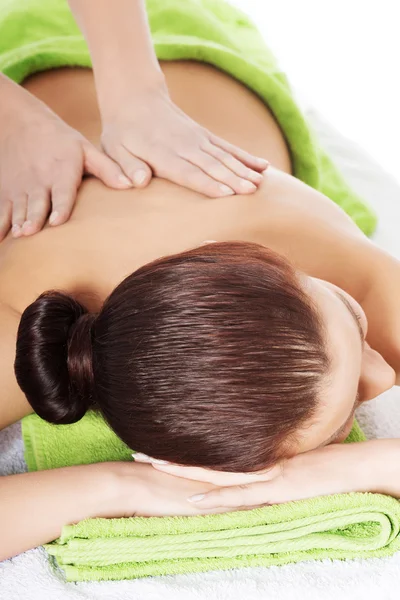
<point x="104" y="489"/>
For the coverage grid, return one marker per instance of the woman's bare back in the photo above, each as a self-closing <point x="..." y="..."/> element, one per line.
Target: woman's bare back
<point x="111" y="233"/>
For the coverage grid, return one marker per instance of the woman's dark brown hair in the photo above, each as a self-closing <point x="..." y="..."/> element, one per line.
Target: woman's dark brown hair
<point x="213" y="357"/>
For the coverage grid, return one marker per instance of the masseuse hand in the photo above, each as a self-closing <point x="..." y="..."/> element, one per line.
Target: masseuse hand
<point x="147" y="134"/>
<point x="334" y="469"/>
<point x="42" y="161"/>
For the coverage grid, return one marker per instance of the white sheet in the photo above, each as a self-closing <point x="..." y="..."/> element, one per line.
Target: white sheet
<point x="31" y="576"/>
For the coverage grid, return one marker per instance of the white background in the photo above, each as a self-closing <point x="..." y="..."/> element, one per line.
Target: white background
<point x="343" y="56"/>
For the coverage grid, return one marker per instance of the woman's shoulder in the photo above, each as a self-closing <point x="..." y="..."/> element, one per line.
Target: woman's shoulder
<point x="309" y="229"/>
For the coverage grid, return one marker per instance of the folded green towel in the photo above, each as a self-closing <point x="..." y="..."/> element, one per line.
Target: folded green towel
<point x="341" y="526"/>
<point x="41" y="34"/>
<point x="338" y="526"/>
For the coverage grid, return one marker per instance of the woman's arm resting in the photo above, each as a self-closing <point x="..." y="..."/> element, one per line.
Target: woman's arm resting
<point x="143" y="130"/>
<point x="34" y="507"/>
<point x="372" y="466"/>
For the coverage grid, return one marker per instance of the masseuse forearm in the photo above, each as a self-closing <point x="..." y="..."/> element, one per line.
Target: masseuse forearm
<point x="35" y="506"/>
<point x="12" y="102"/>
<point x="120" y="45"/>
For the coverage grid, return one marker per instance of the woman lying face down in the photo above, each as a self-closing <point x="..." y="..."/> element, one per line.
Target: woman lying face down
<point x="222" y="357"/>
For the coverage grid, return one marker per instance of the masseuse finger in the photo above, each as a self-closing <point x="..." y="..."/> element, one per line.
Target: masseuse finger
<point x="184" y="173"/>
<point x="254" y="162"/>
<point x="38" y="209"/>
<point x="138" y="172"/>
<point x="18" y="214"/>
<point x="240" y="496"/>
<point x="102" y="166"/>
<point x="215" y="169"/>
<point x="5" y="218"/>
<point x="233" y="163"/>
<point x="63" y="195"/>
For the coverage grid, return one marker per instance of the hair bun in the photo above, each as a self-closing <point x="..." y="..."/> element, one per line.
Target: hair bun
<point x="54" y="357"/>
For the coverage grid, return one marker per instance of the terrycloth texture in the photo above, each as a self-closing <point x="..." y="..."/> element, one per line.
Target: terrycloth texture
<point x="41" y="34"/>
<point x="340" y="526"/>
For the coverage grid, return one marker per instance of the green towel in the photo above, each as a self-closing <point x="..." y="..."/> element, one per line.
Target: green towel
<point x="41" y="34"/>
<point x="338" y="526"/>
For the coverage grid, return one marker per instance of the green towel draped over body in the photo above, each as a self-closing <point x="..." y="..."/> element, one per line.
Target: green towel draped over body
<point x="40" y="34"/>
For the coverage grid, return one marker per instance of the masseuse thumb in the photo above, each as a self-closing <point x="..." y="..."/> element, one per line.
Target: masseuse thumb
<point x="100" y="165"/>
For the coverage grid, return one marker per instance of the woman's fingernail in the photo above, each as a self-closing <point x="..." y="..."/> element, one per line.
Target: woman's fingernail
<point x="247" y="186"/>
<point x="196" y="498"/>
<point x="262" y="162"/>
<point x="26" y="225"/>
<point x="123" y="180"/>
<point x="140" y="457"/>
<point x="226" y="190"/>
<point x="139" y="177"/>
<point x="53" y="217"/>
<point x="16" y="229"/>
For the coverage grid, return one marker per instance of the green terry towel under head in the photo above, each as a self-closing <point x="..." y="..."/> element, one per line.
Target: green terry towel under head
<point x="40" y="34"/>
<point x="339" y="526"/>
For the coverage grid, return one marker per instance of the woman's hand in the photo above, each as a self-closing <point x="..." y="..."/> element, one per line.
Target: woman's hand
<point x="148" y="134"/>
<point x="140" y="490"/>
<point x="334" y="469"/>
<point x="42" y="161"/>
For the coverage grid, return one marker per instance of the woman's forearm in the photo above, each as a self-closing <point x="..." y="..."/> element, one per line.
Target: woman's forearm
<point x="120" y="45"/>
<point x="34" y="507"/>
<point x="386" y="469"/>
